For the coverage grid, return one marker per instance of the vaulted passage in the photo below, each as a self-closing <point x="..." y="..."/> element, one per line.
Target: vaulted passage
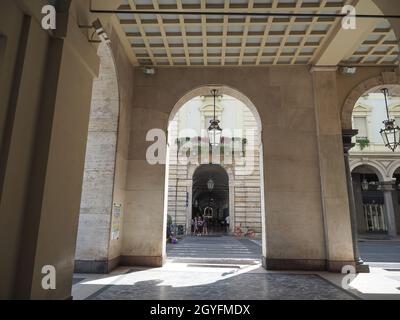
<point x="248" y="132"/>
<point x="211" y="200"/>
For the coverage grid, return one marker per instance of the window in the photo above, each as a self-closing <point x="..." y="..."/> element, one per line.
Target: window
<point x="360" y="124"/>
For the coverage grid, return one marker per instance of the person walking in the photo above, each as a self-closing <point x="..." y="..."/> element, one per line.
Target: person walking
<point x="205" y="226"/>
<point x="227" y="223"/>
<point x="200" y="226"/>
<point x="195" y="226"/>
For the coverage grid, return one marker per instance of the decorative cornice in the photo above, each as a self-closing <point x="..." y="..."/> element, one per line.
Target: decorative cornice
<point x="347" y="136"/>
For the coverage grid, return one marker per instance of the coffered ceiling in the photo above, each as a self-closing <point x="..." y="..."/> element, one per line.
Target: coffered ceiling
<point x="235" y="40"/>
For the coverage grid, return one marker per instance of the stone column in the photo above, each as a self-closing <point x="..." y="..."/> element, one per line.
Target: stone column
<point x="347" y="145"/>
<point x="395" y="195"/>
<point x="46" y="85"/>
<point x="358" y="200"/>
<point x="387" y="188"/>
<point x="334" y="192"/>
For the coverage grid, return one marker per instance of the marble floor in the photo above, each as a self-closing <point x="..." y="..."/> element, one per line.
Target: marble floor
<point x="223" y="268"/>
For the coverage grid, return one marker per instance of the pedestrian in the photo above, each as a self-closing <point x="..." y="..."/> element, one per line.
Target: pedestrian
<point x="195" y="226"/>
<point x="191" y="226"/>
<point x="200" y="226"/>
<point x="205" y="226"/>
<point x="227" y="222"/>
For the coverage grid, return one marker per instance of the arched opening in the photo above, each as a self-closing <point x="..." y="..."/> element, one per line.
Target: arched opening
<point x="220" y="186"/>
<point x="369" y="199"/>
<point x="371" y="159"/>
<point x="210" y="193"/>
<point x="99" y="236"/>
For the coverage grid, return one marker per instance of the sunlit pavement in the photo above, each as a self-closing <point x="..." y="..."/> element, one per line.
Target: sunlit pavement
<point x="219" y="275"/>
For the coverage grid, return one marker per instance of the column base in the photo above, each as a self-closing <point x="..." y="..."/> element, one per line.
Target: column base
<point x="96" y="266"/>
<point x="310" y="265"/>
<point x="294" y="264"/>
<point x="142" y="261"/>
<point x="362" y="268"/>
<point x="336" y="266"/>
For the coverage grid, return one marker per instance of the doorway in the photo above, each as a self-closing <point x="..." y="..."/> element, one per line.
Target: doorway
<point x="210" y="206"/>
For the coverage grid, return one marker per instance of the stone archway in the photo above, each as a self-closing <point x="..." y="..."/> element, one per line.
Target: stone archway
<point x="394" y="167"/>
<point x="95" y="246"/>
<point x="231" y="184"/>
<point x="222" y="89"/>
<point x="217" y="198"/>
<point x="232" y="172"/>
<point x="387" y="79"/>
<point x="375" y="166"/>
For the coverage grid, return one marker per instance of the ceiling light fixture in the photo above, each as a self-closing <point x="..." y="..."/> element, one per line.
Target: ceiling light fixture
<point x="214" y="130"/>
<point x="391" y="133"/>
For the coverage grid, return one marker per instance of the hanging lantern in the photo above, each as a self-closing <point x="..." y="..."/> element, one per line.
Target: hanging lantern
<point x="214" y="131"/>
<point x="391" y="133"/>
<point x="210" y="184"/>
<point x="365" y="185"/>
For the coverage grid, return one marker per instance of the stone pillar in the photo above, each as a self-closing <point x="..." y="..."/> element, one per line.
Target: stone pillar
<point x="51" y="124"/>
<point x="334" y="191"/>
<point x="395" y="195"/>
<point x="347" y="145"/>
<point x="145" y="216"/>
<point x="358" y="199"/>
<point x="388" y="188"/>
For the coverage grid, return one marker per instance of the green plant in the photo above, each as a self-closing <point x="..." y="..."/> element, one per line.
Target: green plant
<point x="363" y="143"/>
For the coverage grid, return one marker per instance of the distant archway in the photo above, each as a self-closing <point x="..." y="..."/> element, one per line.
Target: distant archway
<point x="210" y="197"/>
<point x="389" y="80"/>
<point x="181" y="184"/>
<point x="369" y="199"/>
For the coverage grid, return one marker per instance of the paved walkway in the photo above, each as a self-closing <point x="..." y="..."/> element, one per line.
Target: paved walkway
<point x="227" y="268"/>
<point x="216" y="249"/>
<point x="380" y="251"/>
<point x="177" y="281"/>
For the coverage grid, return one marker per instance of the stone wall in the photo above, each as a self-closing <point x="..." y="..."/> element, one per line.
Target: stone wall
<point x="295" y="220"/>
<point x="106" y="163"/>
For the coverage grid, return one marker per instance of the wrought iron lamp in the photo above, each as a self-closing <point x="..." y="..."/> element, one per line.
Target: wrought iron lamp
<point x="210" y="184"/>
<point x="214" y="130"/>
<point x="364" y="184"/>
<point x="391" y="133"/>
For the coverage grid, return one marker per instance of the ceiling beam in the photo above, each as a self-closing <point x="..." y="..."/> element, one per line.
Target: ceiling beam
<point x="344" y="42"/>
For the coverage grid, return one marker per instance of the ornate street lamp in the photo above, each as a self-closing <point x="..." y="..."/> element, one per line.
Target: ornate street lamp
<point x="391" y="133"/>
<point x="210" y="184"/>
<point x="214" y="131"/>
<point x="365" y="184"/>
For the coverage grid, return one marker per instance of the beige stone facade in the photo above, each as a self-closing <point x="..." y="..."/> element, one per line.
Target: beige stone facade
<point x="46" y="95"/>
